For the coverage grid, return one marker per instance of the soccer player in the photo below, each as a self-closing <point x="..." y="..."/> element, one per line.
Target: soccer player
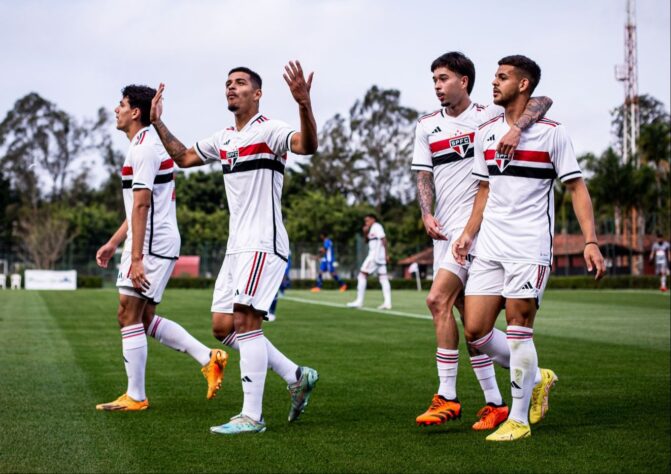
<point x="376" y="261"/>
<point x="286" y="283"/>
<point x="151" y="249"/>
<point x="253" y="156"/>
<point x="514" y="212"/>
<point x="443" y="160"/>
<point x="661" y="254"/>
<point x="327" y="264"/>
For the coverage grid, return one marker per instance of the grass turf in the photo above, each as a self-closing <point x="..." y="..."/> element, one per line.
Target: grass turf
<point x="60" y="354"/>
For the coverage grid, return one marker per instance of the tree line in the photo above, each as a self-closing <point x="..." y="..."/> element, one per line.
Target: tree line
<point x="48" y="158"/>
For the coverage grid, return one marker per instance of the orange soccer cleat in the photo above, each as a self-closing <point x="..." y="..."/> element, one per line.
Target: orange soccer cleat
<point x="440" y="411"/>
<point x="124" y="403"/>
<point x="490" y="416"/>
<point x="214" y="371"/>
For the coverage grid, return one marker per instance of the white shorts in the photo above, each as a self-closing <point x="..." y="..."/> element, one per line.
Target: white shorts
<point x="510" y="280"/>
<point x="156" y="269"/>
<point x="248" y="278"/>
<point x="661" y="269"/>
<point x="370" y="266"/>
<point x="443" y="258"/>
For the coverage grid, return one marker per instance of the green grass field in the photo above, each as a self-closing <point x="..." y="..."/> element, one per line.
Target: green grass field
<point x="60" y="354"/>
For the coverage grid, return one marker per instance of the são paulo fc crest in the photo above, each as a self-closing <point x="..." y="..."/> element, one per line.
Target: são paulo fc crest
<point x="502" y="161"/>
<point x="461" y="144"/>
<point x="232" y="158"/>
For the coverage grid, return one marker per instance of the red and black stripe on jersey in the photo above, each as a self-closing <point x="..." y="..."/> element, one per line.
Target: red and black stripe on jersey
<point x="460" y="148"/>
<point x="275" y="163"/>
<point x="517" y="167"/>
<point x="127" y="174"/>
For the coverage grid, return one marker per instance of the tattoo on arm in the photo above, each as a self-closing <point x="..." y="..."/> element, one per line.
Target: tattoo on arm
<point x="425" y="192"/>
<point x="535" y="110"/>
<point x="172" y="145"/>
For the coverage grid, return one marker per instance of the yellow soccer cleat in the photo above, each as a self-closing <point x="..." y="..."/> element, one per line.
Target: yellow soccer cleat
<point x="490" y="416"/>
<point x="511" y="430"/>
<point x="440" y="411"/>
<point x="540" y="395"/>
<point x="214" y="371"/>
<point x="124" y="403"/>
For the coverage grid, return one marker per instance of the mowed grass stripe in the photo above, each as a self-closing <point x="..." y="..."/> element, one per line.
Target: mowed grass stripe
<point x="48" y="423"/>
<point x="610" y="410"/>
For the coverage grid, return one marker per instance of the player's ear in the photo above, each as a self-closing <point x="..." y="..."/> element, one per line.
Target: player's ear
<point x="523" y="85"/>
<point x="257" y="94"/>
<point x="464" y="82"/>
<point x="135" y="113"/>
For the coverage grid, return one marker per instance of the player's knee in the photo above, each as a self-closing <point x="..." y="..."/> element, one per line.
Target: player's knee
<point x="124" y="316"/>
<point x="438" y="305"/>
<point x="473" y="332"/>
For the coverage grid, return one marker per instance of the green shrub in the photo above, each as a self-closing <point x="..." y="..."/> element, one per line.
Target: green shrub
<point x="89" y="281"/>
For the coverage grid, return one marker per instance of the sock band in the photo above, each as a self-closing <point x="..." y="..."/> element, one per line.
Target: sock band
<point x="248" y="336"/>
<point x="153" y="327"/>
<point x="230" y="339"/>
<point x="481" y="361"/>
<point x="519" y="333"/>
<point x="483" y="340"/>
<point x="134" y="330"/>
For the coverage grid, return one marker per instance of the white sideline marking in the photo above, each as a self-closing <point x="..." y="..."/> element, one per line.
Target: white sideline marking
<point x="369" y="310"/>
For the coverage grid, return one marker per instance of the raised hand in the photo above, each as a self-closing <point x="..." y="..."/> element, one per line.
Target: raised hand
<point x="157" y="104"/>
<point x="299" y="87"/>
<point x="508" y="143"/>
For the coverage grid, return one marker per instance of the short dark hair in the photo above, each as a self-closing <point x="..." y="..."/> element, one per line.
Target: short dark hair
<point x="253" y="76"/>
<point x="140" y="97"/>
<point x="457" y="62"/>
<point x="372" y="216"/>
<point x="527" y="67"/>
<point x="660" y="235"/>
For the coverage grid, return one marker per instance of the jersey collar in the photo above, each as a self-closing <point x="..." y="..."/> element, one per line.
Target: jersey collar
<point x="250" y="122"/>
<point x="139" y="132"/>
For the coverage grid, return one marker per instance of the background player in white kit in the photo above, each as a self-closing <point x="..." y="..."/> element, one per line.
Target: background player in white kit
<point x="443" y="160"/>
<point x="513" y="252"/>
<point x="375" y="261"/>
<point x="661" y="254"/>
<point x="253" y="157"/>
<point x="151" y="249"/>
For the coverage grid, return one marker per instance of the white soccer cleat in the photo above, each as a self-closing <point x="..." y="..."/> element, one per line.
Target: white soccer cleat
<point x="355" y="304"/>
<point x="384" y="306"/>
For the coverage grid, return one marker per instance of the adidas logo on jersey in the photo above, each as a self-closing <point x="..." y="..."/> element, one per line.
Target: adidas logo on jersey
<point x="491" y="138"/>
<point x="436" y="130"/>
<point x="502" y="161"/>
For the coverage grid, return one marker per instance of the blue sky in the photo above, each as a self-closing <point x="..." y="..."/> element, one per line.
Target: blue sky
<point x="80" y="53"/>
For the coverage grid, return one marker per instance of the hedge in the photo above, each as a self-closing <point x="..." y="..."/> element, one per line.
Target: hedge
<point x="89" y="281"/>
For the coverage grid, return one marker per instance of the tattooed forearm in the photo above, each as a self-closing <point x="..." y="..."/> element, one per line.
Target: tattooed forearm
<point x="425" y="192"/>
<point x="173" y="146"/>
<point x="534" y="111"/>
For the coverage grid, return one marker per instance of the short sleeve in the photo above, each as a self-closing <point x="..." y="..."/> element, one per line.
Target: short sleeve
<point x="563" y="157"/>
<point x="489" y="112"/>
<point x="278" y="136"/>
<point x="208" y="148"/>
<point x="379" y="231"/>
<point x="145" y="163"/>
<point x="421" y="156"/>
<point x="480" y="170"/>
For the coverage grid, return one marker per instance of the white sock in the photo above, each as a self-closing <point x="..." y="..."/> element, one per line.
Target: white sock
<point x="663" y="281"/>
<point x="495" y="345"/>
<point x="173" y="335"/>
<point x="253" y="368"/>
<point x="386" y="289"/>
<point x="361" y="288"/>
<point x="134" y="349"/>
<point x="484" y="372"/>
<point x="523" y="367"/>
<point x="447" y="361"/>
<point x="278" y="362"/>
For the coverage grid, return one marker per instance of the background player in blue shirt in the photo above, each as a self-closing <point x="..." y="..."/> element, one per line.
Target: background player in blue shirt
<point x="327" y="263"/>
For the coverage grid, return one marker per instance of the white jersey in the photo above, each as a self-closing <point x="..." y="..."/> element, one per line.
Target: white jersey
<point x="148" y="166"/>
<point x="518" y="222"/>
<point x="660" y="250"/>
<point x="253" y="161"/>
<point x="376" y="249"/>
<point x="444" y="147"/>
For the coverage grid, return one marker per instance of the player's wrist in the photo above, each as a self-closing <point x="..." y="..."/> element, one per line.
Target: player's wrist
<point x="591" y="242"/>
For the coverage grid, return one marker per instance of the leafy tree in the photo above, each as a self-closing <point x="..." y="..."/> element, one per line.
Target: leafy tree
<point x="382" y="135"/>
<point x="45" y="233"/>
<point x="43" y="147"/>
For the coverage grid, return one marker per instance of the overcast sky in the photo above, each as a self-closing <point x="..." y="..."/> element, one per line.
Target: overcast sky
<point x="79" y="53"/>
